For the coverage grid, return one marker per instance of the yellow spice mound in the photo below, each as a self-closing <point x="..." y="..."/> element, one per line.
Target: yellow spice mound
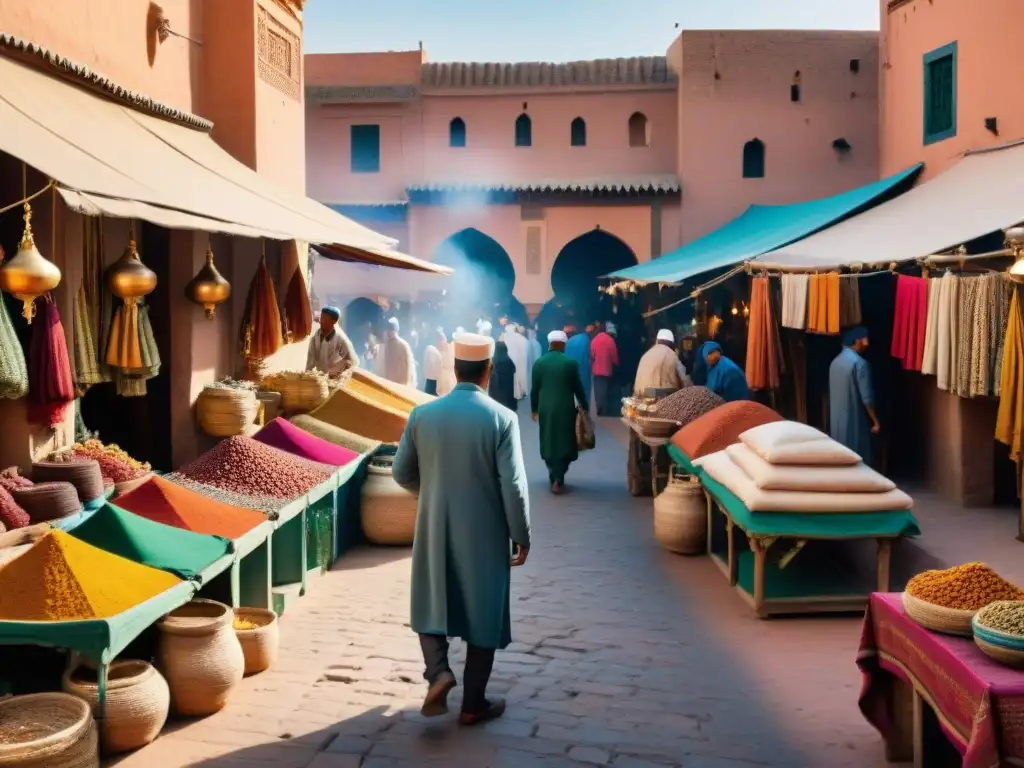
<point x="244" y="624"/>
<point x="63" y="579"/>
<point x="379" y="396"/>
<point x="410" y="395"/>
<point x="968" y="587"/>
<point x="363" y="415"/>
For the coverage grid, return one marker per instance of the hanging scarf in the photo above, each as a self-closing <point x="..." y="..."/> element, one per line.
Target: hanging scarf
<point x="13" y="369"/>
<point x="87" y="364"/>
<point x="763" y="346"/>
<point x="260" y="335"/>
<point x="1010" y="417"/>
<point x="131" y="382"/>
<point x="123" y="350"/>
<point x="297" y="313"/>
<point x="997" y="338"/>
<point x="51" y="386"/>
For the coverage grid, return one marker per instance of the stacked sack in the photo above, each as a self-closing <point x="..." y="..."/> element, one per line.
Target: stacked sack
<point x="786" y="466"/>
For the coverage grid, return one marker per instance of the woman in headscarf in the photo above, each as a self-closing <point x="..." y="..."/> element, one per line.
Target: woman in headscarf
<point x="724" y="377"/>
<point x="502" y="386"/>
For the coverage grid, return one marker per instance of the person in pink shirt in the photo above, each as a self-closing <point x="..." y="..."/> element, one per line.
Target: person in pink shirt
<point x="604" y="359"/>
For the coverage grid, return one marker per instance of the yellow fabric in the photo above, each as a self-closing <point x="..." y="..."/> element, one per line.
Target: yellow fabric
<point x="123" y="350"/>
<point x="832" y="302"/>
<point x="823" y="303"/>
<point x="1010" y="418"/>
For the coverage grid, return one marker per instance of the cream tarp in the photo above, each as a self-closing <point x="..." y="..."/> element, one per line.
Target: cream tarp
<point x="982" y="193"/>
<point x="122" y="162"/>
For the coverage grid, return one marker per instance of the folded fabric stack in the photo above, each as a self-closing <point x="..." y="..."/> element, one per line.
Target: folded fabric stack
<point x="786" y="466"/>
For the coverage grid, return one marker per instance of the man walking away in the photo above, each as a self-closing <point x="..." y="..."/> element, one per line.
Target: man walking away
<point x="397" y="363"/>
<point x="555" y="390"/>
<point x="462" y="455"/>
<point x="852" y="417"/>
<point x="578" y="348"/>
<point x="330" y="350"/>
<point x="604" y="356"/>
<point x="660" y="367"/>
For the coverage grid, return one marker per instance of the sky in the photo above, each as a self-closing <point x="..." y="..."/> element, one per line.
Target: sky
<point x="555" y="30"/>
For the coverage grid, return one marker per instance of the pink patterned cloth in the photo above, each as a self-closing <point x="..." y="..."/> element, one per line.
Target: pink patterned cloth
<point x="980" y="704"/>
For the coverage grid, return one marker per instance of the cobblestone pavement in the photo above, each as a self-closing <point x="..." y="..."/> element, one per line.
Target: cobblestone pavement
<point x="624" y="656"/>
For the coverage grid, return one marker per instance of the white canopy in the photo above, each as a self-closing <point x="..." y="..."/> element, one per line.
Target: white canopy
<point x="982" y="193"/>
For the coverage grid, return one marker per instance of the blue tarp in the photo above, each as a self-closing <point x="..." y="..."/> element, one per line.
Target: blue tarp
<point x="763" y="228"/>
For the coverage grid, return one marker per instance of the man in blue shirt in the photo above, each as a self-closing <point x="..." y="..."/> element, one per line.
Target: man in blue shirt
<point x="852" y="417"/>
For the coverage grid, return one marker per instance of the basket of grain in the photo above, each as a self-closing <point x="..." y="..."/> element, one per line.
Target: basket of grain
<point x="137" y="704"/>
<point x="224" y="411"/>
<point x="48" y="730"/>
<point x="999" y="632"/>
<point x="947" y="600"/>
<point x="200" y="656"/>
<point x="258" y="633"/>
<point x="271" y="402"/>
<point x="301" y="391"/>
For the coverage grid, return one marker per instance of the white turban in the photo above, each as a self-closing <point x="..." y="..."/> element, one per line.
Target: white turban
<point x="558" y="337"/>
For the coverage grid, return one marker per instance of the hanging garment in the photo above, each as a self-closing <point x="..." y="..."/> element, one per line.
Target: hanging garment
<point x="261" y="333"/>
<point x="948" y="334"/>
<point x="930" y="360"/>
<point x="1010" y="417"/>
<point x="1003" y="289"/>
<point x="763" y="345"/>
<point x="978" y="381"/>
<point x="823" y="303"/>
<point x="123" y="348"/>
<point x="910" y="319"/>
<point x="298" y="315"/>
<point x="849" y="301"/>
<point x="87" y="363"/>
<point x="794" y="301"/>
<point x="131" y="382"/>
<point x="51" y="386"/>
<point x="13" y="368"/>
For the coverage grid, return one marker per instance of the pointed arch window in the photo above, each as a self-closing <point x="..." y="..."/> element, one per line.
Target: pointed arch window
<point x="524" y="131"/>
<point x="457" y="132"/>
<point x="639" y="130"/>
<point x="578" y="133"/>
<point x="753" y="159"/>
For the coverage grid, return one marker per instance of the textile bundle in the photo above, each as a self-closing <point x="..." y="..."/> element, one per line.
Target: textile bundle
<point x="261" y="323"/>
<point x="89" y="333"/>
<point x="849" y="302"/>
<point x="1010" y="417"/>
<point x="794" y="301"/>
<point x="13" y="369"/>
<point x="911" y="316"/>
<point x="131" y="382"/>
<point x="51" y="387"/>
<point x="298" y="317"/>
<point x="763" y="343"/>
<point x="823" y="303"/>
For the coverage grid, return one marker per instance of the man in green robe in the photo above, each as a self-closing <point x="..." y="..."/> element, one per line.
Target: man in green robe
<point x="462" y="454"/>
<point x="554" y="394"/>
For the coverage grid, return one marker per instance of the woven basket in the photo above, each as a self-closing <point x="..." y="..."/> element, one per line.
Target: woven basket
<point x="948" y="621"/>
<point x="200" y="656"/>
<point x="388" y="511"/>
<point x="259" y="644"/>
<point x="48" y="730"/>
<point x="48" y="501"/>
<point x="680" y="516"/>
<point x="120" y="489"/>
<point x="138" y="701"/>
<point x="1005" y="656"/>
<point x="300" y="392"/>
<point x="84" y="475"/>
<point x="271" y="402"/>
<point x="225" y="411"/>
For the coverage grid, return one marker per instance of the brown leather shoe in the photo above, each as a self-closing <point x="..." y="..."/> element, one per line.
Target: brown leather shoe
<point x="493" y="711"/>
<point x="435" y="703"/>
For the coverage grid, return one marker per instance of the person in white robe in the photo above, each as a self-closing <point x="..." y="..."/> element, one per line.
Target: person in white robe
<point x="519" y="351"/>
<point x="395" y="359"/>
<point x="330" y="350"/>
<point x="448" y="380"/>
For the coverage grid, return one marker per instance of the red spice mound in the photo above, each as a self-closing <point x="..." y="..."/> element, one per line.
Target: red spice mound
<point x="286" y="436"/>
<point x="244" y="465"/>
<point x="164" y="502"/>
<point x="11" y="514"/>
<point x="718" y="429"/>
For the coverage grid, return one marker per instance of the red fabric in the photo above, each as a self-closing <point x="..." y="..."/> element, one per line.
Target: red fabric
<point x="285" y="436"/>
<point x="911" y="317"/>
<point x="51" y="387"/>
<point x="604" y="355"/>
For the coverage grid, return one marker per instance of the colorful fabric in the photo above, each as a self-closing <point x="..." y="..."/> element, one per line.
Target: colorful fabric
<point x="849" y="301"/>
<point x="764" y="349"/>
<point x="823" y="303"/>
<point x="1004" y="290"/>
<point x="979" y="703"/>
<point x="1010" y="417"/>
<point x="930" y="358"/>
<point x="910" y="321"/>
<point x="794" y="301"/>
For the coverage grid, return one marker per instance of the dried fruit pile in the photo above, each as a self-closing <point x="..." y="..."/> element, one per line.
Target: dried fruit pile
<point x="246" y="466"/>
<point x="114" y="463"/>
<point x="1003" y="616"/>
<point x="12" y="515"/>
<point x="968" y="587"/>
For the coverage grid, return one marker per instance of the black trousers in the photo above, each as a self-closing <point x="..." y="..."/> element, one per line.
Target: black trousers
<point x="604" y="395"/>
<point x="479" y="662"/>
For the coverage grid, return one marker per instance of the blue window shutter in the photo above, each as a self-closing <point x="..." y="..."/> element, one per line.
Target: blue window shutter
<point x="365" y="149"/>
<point x="940" y="94"/>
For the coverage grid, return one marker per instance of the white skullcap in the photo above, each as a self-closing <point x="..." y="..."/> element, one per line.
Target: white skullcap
<point x="666" y="335"/>
<point x="393" y="322"/>
<point x="472" y="347"/>
<point x="556" y="337"/>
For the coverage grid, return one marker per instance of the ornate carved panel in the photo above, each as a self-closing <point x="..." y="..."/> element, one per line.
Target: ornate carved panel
<point x="279" y="51"/>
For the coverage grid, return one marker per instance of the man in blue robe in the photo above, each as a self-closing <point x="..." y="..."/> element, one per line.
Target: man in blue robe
<point x="724" y="377"/>
<point x="462" y="454"/>
<point x="578" y="349"/>
<point x="852" y="418"/>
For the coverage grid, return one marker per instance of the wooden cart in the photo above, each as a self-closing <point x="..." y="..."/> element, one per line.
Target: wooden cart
<point x="647" y="463"/>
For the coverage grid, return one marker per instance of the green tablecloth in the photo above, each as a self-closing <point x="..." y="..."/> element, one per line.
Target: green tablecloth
<point x="803" y="525"/>
<point x="183" y="553"/>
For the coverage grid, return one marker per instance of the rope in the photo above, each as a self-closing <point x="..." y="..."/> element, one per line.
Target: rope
<point x="28" y="199"/>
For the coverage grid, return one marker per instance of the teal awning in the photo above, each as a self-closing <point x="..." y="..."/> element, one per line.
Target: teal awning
<point x="763" y="228"/>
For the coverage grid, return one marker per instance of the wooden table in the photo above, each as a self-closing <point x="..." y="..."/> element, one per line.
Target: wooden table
<point x="659" y="459"/>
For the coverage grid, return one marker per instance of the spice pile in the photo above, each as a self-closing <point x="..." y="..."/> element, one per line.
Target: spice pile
<point x="162" y="501"/>
<point x="968" y="587"/>
<point x="687" y="404"/>
<point x="247" y="466"/>
<point x="268" y="505"/>
<point x="1003" y="616"/>
<point x="245" y="624"/>
<point x="60" y="578"/>
<point x="721" y="427"/>
<point x="335" y="435"/>
<point x="285" y="436"/>
<point x="114" y="463"/>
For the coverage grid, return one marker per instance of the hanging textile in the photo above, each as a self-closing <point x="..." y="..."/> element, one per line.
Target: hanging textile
<point x="849" y="301"/>
<point x="261" y="323"/>
<point x="911" y="316"/>
<point x="794" y="301"/>
<point x="51" y="386"/>
<point x="930" y="359"/>
<point x="298" y="317"/>
<point x="763" y="343"/>
<point x="87" y="364"/>
<point x="89" y="370"/>
<point x="123" y="349"/>
<point x="131" y="382"/>
<point x="977" y="348"/>
<point x="13" y="368"/>
<point x="1010" y="417"/>
<point x="1003" y="290"/>
<point x="823" y="303"/>
<point x="948" y="334"/>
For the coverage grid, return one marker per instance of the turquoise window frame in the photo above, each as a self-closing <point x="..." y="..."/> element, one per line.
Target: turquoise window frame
<point x="949" y="50"/>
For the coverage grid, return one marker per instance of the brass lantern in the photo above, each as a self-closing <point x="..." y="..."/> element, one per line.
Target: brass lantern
<point x="1015" y="244"/>
<point x="208" y="287"/>
<point x="128" y="278"/>
<point x="29" y="275"/>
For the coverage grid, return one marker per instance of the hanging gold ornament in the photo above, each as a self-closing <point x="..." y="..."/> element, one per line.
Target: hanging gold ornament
<point x="28" y="275"/>
<point x="208" y="287"/>
<point x="128" y="278"/>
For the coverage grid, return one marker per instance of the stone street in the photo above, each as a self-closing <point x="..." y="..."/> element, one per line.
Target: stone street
<point x="624" y="655"/>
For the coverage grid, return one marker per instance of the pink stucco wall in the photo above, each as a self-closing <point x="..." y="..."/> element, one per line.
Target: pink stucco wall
<point x="989" y="62"/>
<point x="735" y="86"/>
<point x="381" y="68"/>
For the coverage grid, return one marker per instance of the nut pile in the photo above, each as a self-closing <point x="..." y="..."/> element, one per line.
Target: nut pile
<point x="265" y="504"/>
<point x="968" y="587"/>
<point x="687" y="404"/>
<point x="114" y="463"/>
<point x="1003" y="616"/>
<point x="247" y="466"/>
